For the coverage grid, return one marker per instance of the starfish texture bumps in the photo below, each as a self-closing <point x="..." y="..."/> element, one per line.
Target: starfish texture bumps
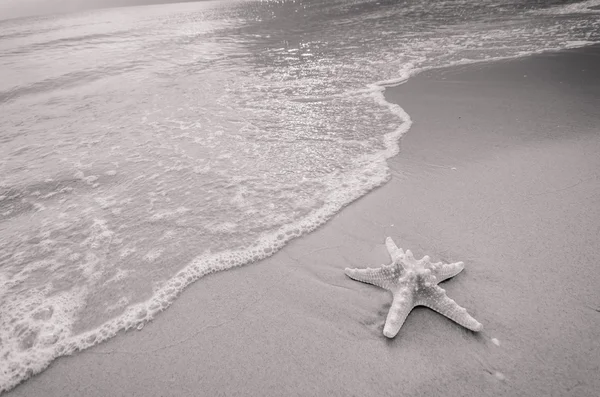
<point x="414" y="283"/>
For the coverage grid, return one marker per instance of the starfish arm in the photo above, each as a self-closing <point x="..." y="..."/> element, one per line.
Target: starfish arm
<point x="435" y="298"/>
<point x="393" y="250"/>
<point x="401" y="307"/>
<point x="382" y="276"/>
<point x="444" y="271"/>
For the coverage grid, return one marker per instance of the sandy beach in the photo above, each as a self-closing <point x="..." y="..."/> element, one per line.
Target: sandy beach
<point x="501" y="171"/>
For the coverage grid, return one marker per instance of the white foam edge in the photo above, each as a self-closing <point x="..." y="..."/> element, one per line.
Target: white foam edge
<point x="137" y="315"/>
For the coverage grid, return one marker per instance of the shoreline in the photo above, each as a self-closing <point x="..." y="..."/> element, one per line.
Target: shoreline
<point x="294" y="324"/>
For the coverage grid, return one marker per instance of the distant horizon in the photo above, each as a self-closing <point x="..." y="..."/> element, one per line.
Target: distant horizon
<point x="10" y="9"/>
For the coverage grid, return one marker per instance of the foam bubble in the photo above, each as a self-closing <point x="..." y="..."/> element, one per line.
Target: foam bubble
<point x="162" y="215"/>
<point x="153" y="254"/>
<point x="127" y="251"/>
<point x="120" y="304"/>
<point x="32" y="338"/>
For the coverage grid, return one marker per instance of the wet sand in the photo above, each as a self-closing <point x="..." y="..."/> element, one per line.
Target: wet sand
<point x="501" y="170"/>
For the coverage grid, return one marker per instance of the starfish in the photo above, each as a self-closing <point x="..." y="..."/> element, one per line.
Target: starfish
<point x="414" y="283"/>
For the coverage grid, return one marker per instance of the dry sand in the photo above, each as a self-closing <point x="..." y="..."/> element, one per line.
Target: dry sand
<point x="500" y="170"/>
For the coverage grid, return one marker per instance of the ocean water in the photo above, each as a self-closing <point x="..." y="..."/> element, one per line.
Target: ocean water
<point x="142" y="148"/>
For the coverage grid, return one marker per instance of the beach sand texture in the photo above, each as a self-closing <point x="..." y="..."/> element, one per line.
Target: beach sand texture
<point x="500" y="170"/>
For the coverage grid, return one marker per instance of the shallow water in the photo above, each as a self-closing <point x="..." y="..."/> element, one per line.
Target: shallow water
<point x="144" y="147"/>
